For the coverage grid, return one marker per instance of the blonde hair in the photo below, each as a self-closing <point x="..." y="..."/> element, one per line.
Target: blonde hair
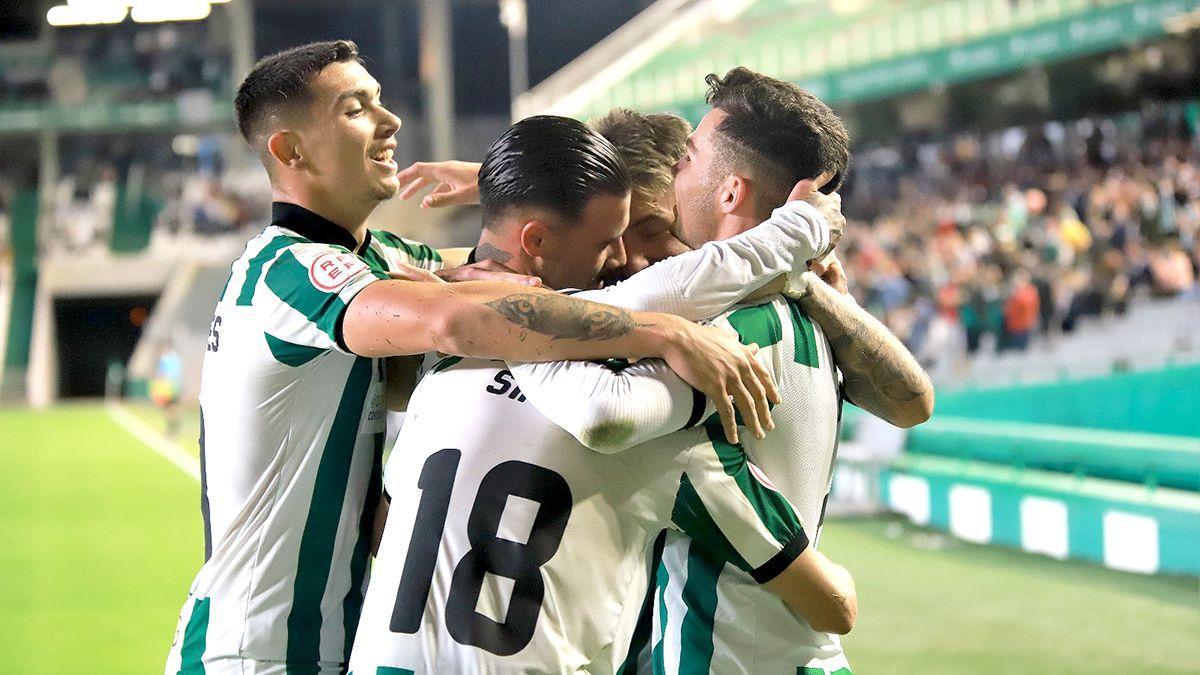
<point x="649" y="144"/>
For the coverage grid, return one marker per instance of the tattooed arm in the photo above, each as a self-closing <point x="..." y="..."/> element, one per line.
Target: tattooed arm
<point x="882" y="377"/>
<point x="498" y="320"/>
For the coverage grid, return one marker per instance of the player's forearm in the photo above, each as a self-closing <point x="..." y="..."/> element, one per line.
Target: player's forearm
<point x="820" y="590"/>
<point x="703" y="283"/>
<point x="497" y="320"/>
<point x="882" y="377"/>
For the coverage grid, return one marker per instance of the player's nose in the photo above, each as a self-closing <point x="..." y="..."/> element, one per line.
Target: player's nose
<point x="616" y="256"/>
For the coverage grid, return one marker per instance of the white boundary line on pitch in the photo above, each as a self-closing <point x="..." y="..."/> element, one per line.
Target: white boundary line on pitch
<point x="154" y="440"/>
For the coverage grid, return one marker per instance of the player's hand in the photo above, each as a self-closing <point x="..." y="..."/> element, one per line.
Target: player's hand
<point x="830" y="270"/>
<point x="487" y="270"/>
<point x="457" y="183"/>
<point x="829" y="205"/>
<point x="410" y="273"/>
<point x="723" y="369"/>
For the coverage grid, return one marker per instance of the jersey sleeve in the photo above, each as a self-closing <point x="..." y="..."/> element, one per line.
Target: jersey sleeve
<point x="707" y="281"/>
<point x="303" y="294"/>
<point x="611" y="406"/>
<point x="728" y="505"/>
<point x="397" y="249"/>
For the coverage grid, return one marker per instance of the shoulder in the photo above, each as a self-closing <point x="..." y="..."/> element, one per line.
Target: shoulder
<point x="414" y="249"/>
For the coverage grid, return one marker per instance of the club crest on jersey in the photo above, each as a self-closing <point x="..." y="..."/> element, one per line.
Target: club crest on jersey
<point x="330" y="271"/>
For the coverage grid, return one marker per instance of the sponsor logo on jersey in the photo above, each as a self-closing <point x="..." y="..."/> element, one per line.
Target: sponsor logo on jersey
<point x="330" y="271"/>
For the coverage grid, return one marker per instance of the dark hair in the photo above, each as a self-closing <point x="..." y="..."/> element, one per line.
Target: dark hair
<point x="650" y="145"/>
<point x="554" y="163"/>
<point x="784" y="133"/>
<point x="280" y="81"/>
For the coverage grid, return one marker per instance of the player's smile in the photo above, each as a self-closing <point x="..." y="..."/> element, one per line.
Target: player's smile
<point x="383" y="156"/>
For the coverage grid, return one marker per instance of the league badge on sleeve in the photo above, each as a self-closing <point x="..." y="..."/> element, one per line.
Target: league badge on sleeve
<point x="330" y="271"/>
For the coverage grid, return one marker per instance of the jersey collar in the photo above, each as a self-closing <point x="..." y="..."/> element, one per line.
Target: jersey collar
<point x="314" y="227"/>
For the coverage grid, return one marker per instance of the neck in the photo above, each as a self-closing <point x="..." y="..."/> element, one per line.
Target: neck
<point x="503" y="250"/>
<point x="351" y="217"/>
<point x="733" y="224"/>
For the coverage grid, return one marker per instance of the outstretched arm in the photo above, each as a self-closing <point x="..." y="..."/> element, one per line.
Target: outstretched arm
<point x="498" y="320"/>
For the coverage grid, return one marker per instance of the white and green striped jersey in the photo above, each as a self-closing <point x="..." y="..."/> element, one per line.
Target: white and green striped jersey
<point x="511" y="547"/>
<point x="292" y="432"/>
<point x="710" y="616"/>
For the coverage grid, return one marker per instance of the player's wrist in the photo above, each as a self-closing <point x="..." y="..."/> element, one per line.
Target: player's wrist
<point x="659" y="337"/>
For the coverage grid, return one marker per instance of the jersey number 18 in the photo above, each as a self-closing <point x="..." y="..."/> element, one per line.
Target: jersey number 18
<point x="489" y="553"/>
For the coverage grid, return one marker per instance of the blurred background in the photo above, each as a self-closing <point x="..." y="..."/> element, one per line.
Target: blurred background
<point x="1024" y="212"/>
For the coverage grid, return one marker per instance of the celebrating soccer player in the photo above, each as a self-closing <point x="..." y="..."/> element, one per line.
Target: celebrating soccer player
<point x="291" y="395"/>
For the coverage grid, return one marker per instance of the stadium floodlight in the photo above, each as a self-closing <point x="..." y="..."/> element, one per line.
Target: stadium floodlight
<point x="82" y="13"/>
<point x="157" y="11"/>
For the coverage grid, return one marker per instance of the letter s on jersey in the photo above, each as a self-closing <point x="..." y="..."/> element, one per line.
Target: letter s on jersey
<point x="330" y="271"/>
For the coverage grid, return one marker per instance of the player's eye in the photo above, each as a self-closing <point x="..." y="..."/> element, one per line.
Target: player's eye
<point x="354" y="112"/>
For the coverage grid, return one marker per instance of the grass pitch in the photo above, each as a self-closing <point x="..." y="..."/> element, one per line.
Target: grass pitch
<point x="100" y="538"/>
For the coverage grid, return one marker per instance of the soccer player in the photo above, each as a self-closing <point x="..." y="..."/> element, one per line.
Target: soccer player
<point x="509" y="546"/>
<point x="291" y="394"/>
<point x="878" y="373"/>
<point x="761" y="134"/>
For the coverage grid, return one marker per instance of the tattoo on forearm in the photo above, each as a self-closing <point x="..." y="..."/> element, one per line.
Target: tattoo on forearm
<point x="486" y="251"/>
<point x="561" y="316"/>
<point x="880" y="373"/>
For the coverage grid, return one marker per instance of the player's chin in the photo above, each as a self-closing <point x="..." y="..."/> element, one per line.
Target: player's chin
<point x="387" y="188"/>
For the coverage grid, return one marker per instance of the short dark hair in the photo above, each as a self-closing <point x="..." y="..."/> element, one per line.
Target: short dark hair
<point x="279" y="82"/>
<point x="784" y="133"/>
<point x="549" y="162"/>
<point x="649" y="144"/>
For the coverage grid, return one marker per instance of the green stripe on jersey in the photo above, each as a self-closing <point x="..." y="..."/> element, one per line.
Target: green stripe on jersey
<point x="773" y="509"/>
<point x="806" y="338"/>
<point x="389" y="670"/>
<point x="662" y="578"/>
<point x="375" y="260"/>
<point x="445" y="363"/>
<point x="255" y="268"/>
<point x="324" y="512"/>
<point x="353" y="602"/>
<point x="809" y="670"/>
<point x="291" y="354"/>
<point x="195" y="638"/>
<point x="288" y="280"/>
<point x="419" y="252"/>
<point x="691" y="516"/>
<point x="757" y="325"/>
<point x="700" y="598"/>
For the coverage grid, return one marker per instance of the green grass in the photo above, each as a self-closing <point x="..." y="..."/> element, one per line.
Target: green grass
<point x="99" y="540"/>
<point x="100" y="537"/>
<point x="930" y="604"/>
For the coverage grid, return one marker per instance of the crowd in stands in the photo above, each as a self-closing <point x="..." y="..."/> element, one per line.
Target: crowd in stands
<point x="994" y="243"/>
<point x="190" y="199"/>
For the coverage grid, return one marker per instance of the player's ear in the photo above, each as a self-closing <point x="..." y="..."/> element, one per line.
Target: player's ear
<point x="733" y="194"/>
<point x="533" y="238"/>
<point x="284" y="146"/>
